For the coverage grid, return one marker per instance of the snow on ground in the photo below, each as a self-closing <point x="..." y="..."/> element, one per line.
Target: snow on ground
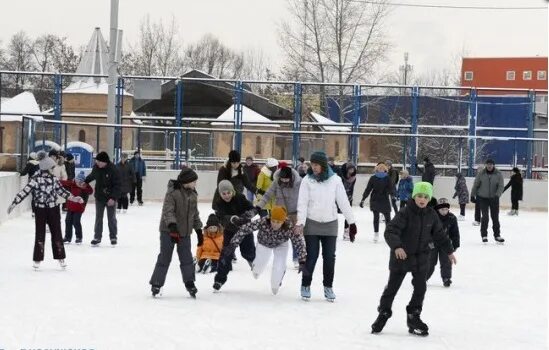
<point x="102" y="301"/>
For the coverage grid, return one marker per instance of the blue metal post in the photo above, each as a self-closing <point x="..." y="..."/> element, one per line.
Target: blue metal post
<point x="473" y="108"/>
<point x="296" y="137"/>
<point x="530" y="143"/>
<point x="238" y="116"/>
<point x="118" y="116"/>
<point x="178" y="117"/>
<point x="414" y="128"/>
<point x="357" y="95"/>
<point x="57" y="81"/>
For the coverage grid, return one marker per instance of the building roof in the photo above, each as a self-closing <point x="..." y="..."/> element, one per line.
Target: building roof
<point x="323" y="120"/>
<point x="249" y="116"/>
<point x="23" y="104"/>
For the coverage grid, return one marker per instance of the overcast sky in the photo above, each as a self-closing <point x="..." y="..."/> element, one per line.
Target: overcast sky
<point x="431" y="36"/>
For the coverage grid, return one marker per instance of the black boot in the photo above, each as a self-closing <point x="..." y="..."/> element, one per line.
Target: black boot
<point x="381" y="320"/>
<point x="191" y="288"/>
<point x="415" y="324"/>
<point x="155" y="290"/>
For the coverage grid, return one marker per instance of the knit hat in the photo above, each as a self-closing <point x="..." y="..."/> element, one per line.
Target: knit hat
<point x="81" y="176"/>
<point x="32" y="155"/>
<point x="124" y="156"/>
<point x="285" y="173"/>
<point x="102" y="157"/>
<point x="250" y="158"/>
<point x="389" y="162"/>
<point x="225" y="186"/>
<point x="516" y="170"/>
<point x="404" y="173"/>
<point x="45" y="162"/>
<point x="320" y="158"/>
<point x="213" y="220"/>
<point x="282" y="164"/>
<point x="423" y="188"/>
<point x="489" y="161"/>
<point x="187" y="175"/>
<point x="136" y="152"/>
<point x="426" y="159"/>
<point x="234" y="156"/>
<point x="53" y="153"/>
<point x="279" y="213"/>
<point x="69" y="157"/>
<point x="271" y="162"/>
<point x="442" y="203"/>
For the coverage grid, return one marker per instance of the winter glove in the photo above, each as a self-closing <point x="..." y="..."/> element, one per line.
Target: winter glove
<point x="455" y="195"/>
<point x="352" y="232"/>
<point x="200" y="237"/>
<point x="10" y="208"/>
<point x="361" y="204"/>
<point x="174" y="232"/>
<point x="303" y="268"/>
<point x="473" y="199"/>
<point x="238" y="221"/>
<point x="258" y="209"/>
<point x="260" y="191"/>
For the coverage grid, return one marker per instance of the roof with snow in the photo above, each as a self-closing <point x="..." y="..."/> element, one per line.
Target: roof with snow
<point x="323" y="120"/>
<point x="249" y="117"/>
<point x="23" y="104"/>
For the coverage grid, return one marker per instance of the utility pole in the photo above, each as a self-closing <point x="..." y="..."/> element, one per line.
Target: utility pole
<point x="113" y="78"/>
<point x="405" y="70"/>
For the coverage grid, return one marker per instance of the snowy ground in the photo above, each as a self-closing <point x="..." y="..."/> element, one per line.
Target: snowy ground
<point x="102" y="301"/>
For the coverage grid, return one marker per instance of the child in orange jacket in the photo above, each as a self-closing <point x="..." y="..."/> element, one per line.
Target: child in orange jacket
<point x="210" y="245"/>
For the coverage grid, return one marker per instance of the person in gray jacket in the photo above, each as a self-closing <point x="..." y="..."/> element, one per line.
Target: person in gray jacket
<point x="179" y="217"/>
<point x="487" y="189"/>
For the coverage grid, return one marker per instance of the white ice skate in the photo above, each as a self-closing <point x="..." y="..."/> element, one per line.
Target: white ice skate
<point x="461" y="218"/>
<point x="124" y="211"/>
<point x="476" y="223"/>
<point x="36" y="265"/>
<point x="296" y="264"/>
<point x="376" y="237"/>
<point x="118" y="211"/>
<point x="62" y="263"/>
<point x="346" y="235"/>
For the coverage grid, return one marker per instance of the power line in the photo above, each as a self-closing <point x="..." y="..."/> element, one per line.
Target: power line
<point x="448" y="6"/>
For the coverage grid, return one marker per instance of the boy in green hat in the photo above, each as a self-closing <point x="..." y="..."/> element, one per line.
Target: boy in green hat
<point x="411" y="235"/>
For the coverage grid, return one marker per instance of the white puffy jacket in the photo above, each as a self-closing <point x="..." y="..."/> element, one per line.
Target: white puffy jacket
<point x="317" y="200"/>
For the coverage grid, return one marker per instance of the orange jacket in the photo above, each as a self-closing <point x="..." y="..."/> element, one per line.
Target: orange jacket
<point x="211" y="248"/>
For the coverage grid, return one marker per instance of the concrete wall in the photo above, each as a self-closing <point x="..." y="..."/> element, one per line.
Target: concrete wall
<point x="10" y="184"/>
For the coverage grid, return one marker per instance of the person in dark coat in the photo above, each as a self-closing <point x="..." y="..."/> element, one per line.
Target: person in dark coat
<point x="381" y="188"/>
<point x="428" y="172"/>
<point x="410" y="235"/>
<point x="127" y="179"/>
<point x="107" y="192"/>
<point x="70" y="167"/>
<point x="462" y="193"/>
<point x="233" y="211"/>
<point x="515" y="182"/>
<point x="348" y="175"/>
<point x="405" y="188"/>
<point x="140" y="170"/>
<point x="252" y="172"/>
<point x="393" y="175"/>
<point x="233" y="172"/>
<point x="451" y="228"/>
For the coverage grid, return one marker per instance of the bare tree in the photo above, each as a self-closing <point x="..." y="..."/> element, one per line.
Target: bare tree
<point x="18" y="58"/>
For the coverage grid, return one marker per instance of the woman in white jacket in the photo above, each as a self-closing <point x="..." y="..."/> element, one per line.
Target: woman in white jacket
<point x="320" y="190"/>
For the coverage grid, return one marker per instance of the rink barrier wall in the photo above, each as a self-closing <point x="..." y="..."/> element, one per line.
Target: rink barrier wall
<point x="10" y="184"/>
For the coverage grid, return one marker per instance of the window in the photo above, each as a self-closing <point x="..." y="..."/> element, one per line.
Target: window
<point x="337" y="149"/>
<point x="468" y="76"/>
<point x="527" y="75"/>
<point x="258" y="145"/>
<point x="82" y="136"/>
<point x="510" y="75"/>
<point x="542" y="75"/>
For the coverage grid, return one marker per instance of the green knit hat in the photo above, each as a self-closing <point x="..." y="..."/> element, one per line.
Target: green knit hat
<point x="423" y="188"/>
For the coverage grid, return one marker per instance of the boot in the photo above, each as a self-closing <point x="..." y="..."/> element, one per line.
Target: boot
<point x="191" y="288"/>
<point x="416" y="325"/>
<point x="305" y="292"/>
<point x="499" y="239"/>
<point x="95" y="242"/>
<point x="381" y="320"/>
<point x="329" y="294"/>
<point x="217" y="286"/>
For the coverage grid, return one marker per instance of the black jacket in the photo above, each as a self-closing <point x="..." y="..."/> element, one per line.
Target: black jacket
<point x="515" y="182"/>
<point x="238" y="206"/>
<point x="428" y="173"/>
<point x="30" y="168"/>
<point x="127" y="177"/>
<point x="71" y="170"/>
<point x="451" y="228"/>
<point x="107" y="182"/>
<point x="381" y="189"/>
<point x="417" y="231"/>
<point x="393" y="175"/>
<point x="239" y="181"/>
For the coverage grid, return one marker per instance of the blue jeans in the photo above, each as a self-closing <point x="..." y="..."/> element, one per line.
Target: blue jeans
<point x="73" y="219"/>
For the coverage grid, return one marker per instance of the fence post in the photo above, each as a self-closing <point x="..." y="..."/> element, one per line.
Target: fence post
<point x="66" y="129"/>
<point x="237" y="143"/>
<point x="97" y="139"/>
<point x="530" y="143"/>
<point x="357" y="93"/>
<point x="118" y="110"/>
<point x="178" y="116"/>
<point x="296" y="137"/>
<point x="414" y="128"/>
<point x="57" y="80"/>
<point x="473" y="109"/>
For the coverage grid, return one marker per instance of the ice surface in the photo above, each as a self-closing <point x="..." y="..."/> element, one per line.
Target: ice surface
<point x="102" y="301"/>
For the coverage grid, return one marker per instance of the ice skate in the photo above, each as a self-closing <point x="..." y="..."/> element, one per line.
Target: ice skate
<point x="346" y="235"/>
<point x="461" y="218"/>
<point x="416" y="325"/>
<point x="155" y="290"/>
<point x="36" y="265"/>
<point x="306" y="293"/>
<point x="381" y="320"/>
<point x="191" y="288"/>
<point x="78" y="241"/>
<point x="217" y="286"/>
<point x="207" y="265"/>
<point x="124" y="211"/>
<point x="446" y="282"/>
<point x="114" y="242"/>
<point x="329" y="294"/>
<point x="376" y="237"/>
<point x="499" y="239"/>
<point x="95" y="242"/>
<point x="484" y="239"/>
<point x="476" y="223"/>
<point x="62" y="264"/>
<point x="66" y="241"/>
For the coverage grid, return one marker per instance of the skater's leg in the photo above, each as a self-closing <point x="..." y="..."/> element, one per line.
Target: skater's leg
<point x="494" y="214"/>
<point x="445" y="266"/>
<point x="387" y="217"/>
<point x="185" y="259"/>
<point x="462" y="209"/>
<point x="132" y="193"/>
<point x="312" y="245"/>
<point x="99" y="211"/>
<point x="262" y="257"/>
<point x="54" y="223"/>
<point x="477" y="211"/>
<point x="40" y="216"/>
<point x="484" y="206"/>
<point x="328" y="259"/>
<point x="433" y="257"/>
<point x="139" y="189"/>
<point x="279" y="265"/>
<point x="69" y="219"/>
<point x="247" y="248"/>
<point x="394" y="204"/>
<point x="76" y="221"/>
<point x="224" y="265"/>
<point x="163" y="261"/>
<point x="125" y="201"/>
<point x="376" y="221"/>
<point x="111" y="217"/>
<point x="391" y="289"/>
<point x="420" y="287"/>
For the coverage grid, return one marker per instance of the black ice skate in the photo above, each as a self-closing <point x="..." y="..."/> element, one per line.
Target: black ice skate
<point x="113" y="241"/>
<point x="381" y="320"/>
<point x="447" y="282"/>
<point x="95" y="242"/>
<point x="499" y="239"/>
<point x="155" y="290"/>
<point x="217" y="286"/>
<point x="78" y="241"/>
<point x="416" y="325"/>
<point x="484" y="239"/>
<point x="191" y="288"/>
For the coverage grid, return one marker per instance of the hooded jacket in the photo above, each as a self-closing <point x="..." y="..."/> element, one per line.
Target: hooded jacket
<point x="381" y="187"/>
<point x="284" y="195"/>
<point x="461" y="190"/>
<point x="264" y="181"/>
<point x="180" y="208"/>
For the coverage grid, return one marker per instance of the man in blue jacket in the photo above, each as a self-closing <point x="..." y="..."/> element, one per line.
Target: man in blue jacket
<point x="140" y="170"/>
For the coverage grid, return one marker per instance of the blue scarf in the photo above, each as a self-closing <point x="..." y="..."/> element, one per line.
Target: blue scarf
<point x="323" y="176"/>
<point x="380" y="175"/>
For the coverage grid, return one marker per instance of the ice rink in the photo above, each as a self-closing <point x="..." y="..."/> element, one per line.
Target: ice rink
<point x="498" y="299"/>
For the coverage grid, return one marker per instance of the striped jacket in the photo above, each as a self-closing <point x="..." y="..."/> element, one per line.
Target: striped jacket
<point x="46" y="189"/>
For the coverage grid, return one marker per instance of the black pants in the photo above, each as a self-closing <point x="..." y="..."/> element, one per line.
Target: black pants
<point x="111" y="217"/>
<point x="477" y="210"/>
<point x="462" y="209"/>
<point x="346" y="223"/>
<point x="137" y="187"/>
<point x="185" y="254"/>
<point x="445" y="264"/>
<point x="394" y="204"/>
<point x="313" y="243"/>
<point x="402" y="204"/>
<point x="419" y="282"/>
<point x="73" y="220"/>
<point x="514" y="204"/>
<point x="123" y="201"/>
<point x="376" y="219"/>
<point x="491" y="204"/>
<point x="51" y="217"/>
<point x="247" y="250"/>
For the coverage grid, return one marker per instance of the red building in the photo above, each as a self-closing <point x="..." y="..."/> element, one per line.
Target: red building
<point x="504" y="72"/>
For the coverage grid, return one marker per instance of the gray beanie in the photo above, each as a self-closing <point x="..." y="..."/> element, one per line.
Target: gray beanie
<point x="45" y="163"/>
<point x="224" y="186"/>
